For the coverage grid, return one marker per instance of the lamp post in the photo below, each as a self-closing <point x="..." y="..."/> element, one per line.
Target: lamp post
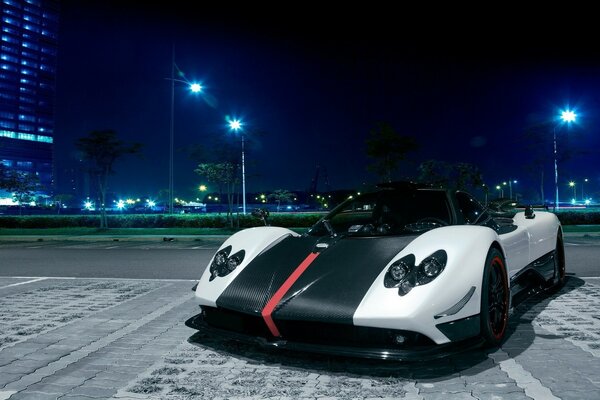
<point x="572" y="184"/>
<point x="236" y="125"/>
<point x="566" y="116"/>
<point x="583" y="194"/>
<point x="510" y="182"/>
<point x="195" y="88"/>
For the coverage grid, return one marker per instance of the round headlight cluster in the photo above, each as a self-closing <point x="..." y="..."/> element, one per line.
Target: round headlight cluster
<point x="223" y="263"/>
<point x="404" y="274"/>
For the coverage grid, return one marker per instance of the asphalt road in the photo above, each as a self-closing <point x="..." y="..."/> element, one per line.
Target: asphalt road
<point x="178" y="259"/>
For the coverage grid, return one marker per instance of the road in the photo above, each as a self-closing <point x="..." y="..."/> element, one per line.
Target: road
<point x="177" y="259"/>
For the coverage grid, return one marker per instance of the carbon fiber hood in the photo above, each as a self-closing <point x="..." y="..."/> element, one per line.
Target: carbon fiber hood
<point x="329" y="290"/>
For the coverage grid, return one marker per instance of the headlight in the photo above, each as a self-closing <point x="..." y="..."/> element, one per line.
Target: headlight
<point x="235" y="260"/>
<point x="399" y="271"/>
<point x="223" y="263"/>
<point x="431" y="267"/>
<point x="404" y="274"/>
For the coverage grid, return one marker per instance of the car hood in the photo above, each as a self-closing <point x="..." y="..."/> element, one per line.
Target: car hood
<point x="312" y="279"/>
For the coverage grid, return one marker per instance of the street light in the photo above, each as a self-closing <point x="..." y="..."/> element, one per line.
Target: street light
<point x="510" y="182"/>
<point x="236" y="125"/>
<point x="582" y="194"/>
<point x="195" y="88"/>
<point x="567" y="116"/>
<point x="572" y="184"/>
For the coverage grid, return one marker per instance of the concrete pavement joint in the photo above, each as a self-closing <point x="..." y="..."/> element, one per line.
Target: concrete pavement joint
<point x="533" y="387"/>
<point x="96" y="345"/>
<point x="567" y="321"/>
<point x="24" y="283"/>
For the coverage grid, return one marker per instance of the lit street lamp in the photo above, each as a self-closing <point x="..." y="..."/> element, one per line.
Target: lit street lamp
<point x="566" y="116"/>
<point x="236" y="125"/>
<point x="195" y="88"/>
<point x="510" y="182"/>
<point x="572" y="184"/>
<point x="583" y="194"/>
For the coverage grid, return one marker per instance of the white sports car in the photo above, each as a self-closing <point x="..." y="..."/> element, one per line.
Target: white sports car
<point x="397" y="273"/>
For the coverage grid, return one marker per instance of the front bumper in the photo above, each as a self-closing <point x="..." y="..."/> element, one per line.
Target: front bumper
<point x="361" y="342"/>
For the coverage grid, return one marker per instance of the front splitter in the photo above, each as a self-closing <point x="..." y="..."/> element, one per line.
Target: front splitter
<point x="422" y="353"/>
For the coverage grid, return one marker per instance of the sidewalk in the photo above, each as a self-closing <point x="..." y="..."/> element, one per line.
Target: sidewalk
<point x="126" y="339"/>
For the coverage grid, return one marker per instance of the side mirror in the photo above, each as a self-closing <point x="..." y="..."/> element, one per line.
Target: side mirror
<point x="529" y="214"/>
<point x="262" y="214"/>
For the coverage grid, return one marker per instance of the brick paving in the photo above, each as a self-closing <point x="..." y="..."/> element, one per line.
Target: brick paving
<point x="126" y="339"/>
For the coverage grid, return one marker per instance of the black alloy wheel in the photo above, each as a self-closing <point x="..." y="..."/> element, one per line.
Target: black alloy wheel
<point x="495" y="299"/>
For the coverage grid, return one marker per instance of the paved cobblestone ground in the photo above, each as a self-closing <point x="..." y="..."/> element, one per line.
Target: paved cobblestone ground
<point x="126" y="339"/>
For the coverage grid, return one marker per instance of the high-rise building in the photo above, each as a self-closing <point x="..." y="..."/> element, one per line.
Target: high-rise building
<point x="28" y="57"/>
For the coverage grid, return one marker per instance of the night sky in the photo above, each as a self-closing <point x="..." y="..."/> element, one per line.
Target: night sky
<point x="309" y="85"/>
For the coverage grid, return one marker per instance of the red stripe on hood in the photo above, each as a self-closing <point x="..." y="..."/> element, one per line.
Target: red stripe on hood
<point x="272" y="303"/>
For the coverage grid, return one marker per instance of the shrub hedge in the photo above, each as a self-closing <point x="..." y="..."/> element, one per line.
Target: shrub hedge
<point x="288" y="220"/>
<point x="156" y="221"/>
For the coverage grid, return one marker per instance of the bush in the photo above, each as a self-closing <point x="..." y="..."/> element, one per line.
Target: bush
<point x="287" y="220"/>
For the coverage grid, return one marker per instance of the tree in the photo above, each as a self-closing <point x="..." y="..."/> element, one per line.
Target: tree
<point x="223" y="174"/>
<point x="387" y="148"/>
<point x="281" y="196"/>
<point x="101" y="149"/>
<point x="458" y="176"/>
<point x="21" y="184"/>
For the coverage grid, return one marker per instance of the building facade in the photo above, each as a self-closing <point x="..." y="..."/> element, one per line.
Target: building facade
<point x="28" y="59"/>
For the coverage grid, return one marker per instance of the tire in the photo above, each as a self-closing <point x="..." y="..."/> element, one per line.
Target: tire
<point x="495" y="299"/>
<point x="560" y="269"/>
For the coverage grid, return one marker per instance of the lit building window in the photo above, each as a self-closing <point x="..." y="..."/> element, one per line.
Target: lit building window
<point x="26" y="136"/>
<point x="7" y="134"/>
<point x="24" y="164"/>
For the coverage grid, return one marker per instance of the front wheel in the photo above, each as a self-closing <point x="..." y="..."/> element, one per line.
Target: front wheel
<point x="494" y="299"/>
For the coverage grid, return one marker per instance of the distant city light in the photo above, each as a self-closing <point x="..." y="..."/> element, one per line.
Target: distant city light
<point x="88" y="205"/>
<point x="120" y="204"/>
<point x="151" y="203"/>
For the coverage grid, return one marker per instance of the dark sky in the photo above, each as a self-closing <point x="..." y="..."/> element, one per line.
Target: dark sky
<point x="310" y="83"/>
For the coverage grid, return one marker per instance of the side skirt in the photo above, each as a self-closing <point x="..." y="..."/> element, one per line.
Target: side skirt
<point x="532" y="278"/>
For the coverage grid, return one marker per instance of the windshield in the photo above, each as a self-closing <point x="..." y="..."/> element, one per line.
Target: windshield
<point x="388" y="212"/>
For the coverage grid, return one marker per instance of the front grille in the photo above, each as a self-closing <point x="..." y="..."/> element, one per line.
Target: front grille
<point x="314" y="332"/>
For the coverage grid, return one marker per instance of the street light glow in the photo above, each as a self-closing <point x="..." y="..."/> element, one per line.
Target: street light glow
<point x="568" y="116"/>
<point x="235" y="124"/>
<point x="196" y="87"/>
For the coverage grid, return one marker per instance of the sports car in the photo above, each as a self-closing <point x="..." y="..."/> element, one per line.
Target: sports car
<point x="402" y="271"/>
